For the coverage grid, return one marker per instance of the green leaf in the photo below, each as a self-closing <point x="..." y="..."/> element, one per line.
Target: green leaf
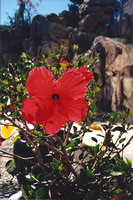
<point x="74" y="129"/>
<point x="117" y="191"/>
<point x="38" y="176"/>
<point x="15" y="139"/>
<point x="118" y="128"/>
<point x="1" y="107"/>
<point x="129" y="162"/>
<point x="27" y="192"/>
<point x="122" y="140"/>
<point x="17" y="99"/>
<point x="117" y="168"/>
<point x="60" y="168"/>
<point x="39" y="193"/>
<point x="33" y="167"/>
<point x="19" y="87"/>
<point x="124" y="165"/>
<point x="11" y="167"/>
<point x="115" y="173"/>
<point x="90" y="174"/>
<point x="55" y="164"/>
<point x="97" y="148"/>
<point x="53" y="55"/>
<point x="85" y="176"/>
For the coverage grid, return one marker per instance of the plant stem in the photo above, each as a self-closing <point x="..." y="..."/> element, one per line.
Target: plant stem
<point x="68" y="134"/>
<point x="66" y="156"/>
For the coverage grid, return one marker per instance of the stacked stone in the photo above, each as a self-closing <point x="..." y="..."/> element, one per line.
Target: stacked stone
<point x="115" y="70"/>
<point x="96" y="16"/>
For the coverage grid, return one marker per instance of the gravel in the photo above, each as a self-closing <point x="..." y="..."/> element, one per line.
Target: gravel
<point x="7" y="187"/>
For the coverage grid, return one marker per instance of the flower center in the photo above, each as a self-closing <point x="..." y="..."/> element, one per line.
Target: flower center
<point x="55" y="96"/>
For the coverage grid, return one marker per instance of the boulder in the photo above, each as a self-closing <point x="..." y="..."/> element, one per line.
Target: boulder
<point x="115" y="70"/>
<point x="83" y="39"/>
<point x="96" y="16"/>
<point x="47" y="35"/>
<point x="11" y="42"/>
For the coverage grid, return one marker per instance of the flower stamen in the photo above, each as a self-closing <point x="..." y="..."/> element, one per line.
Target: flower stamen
<point x="55" y="96"/>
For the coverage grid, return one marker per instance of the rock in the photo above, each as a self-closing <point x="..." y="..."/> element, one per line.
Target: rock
<point x="11" y="42"/>
<point x="40" y="26"/>
<point x="96" y="16"/>
<point x="47" y="35"/>
<point x="127" y="86"/>
<point x="65" y="18"/>
<point x="83" y="39"/>
<point x="115" y="71"/>
<point x="126" y="21"/>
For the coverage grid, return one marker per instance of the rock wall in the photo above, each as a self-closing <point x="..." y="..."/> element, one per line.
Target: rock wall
<point x="47" y="35"/>
<point x="115" y="70"/>
<point x="125" y="21"/>
<point x="11" y="42"/>
<point x="96" y="16"/>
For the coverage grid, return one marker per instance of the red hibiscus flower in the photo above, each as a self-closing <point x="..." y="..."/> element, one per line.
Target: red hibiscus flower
<point x="64" y="62"/>
<point x="86" y="73"/>
<point x="55" y="102"/>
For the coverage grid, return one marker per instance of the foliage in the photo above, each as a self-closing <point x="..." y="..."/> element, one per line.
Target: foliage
<point x="24" y="13"/>
<point x="62" y="166"/>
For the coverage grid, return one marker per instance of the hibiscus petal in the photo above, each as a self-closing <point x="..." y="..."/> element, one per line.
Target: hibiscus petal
<point x="55" y="122"/>
<point x="40" y="83"/>
<point x="75" y="110"/>
<point x="32" y="112"/>
<point x="87" y="74"/>
<point x="72" y="84"/>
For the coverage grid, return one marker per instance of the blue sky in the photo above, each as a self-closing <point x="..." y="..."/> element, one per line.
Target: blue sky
<point x="46" y="7"/>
